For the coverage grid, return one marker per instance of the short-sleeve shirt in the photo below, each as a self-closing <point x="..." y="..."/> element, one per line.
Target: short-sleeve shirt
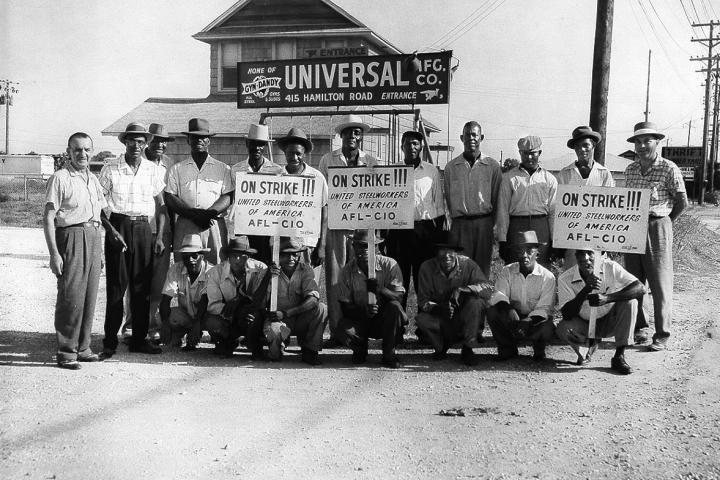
<point x="429" y="197"/>
<point x="294" y="290"/>
<point x="74" y="198"/>
<point x="472" y="190"/>
<point x="664" y="180"/>
<point x="525" y="194"/>
<point x="183" y="292"/>
<point x="337" y="159"/>
<point x="199" y="188"/>
<point x="313" y="172"/>
<point x="531" y="296"/>
<point x="352" y="287"/>
<point x="599" y="176"/>
<point x="612" y="276"/>
<point x="132" y="193"/>
<point x="435" y="286"/>
<point x="222" y="286"/>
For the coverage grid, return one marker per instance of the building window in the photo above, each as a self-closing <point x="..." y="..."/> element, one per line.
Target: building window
<point x="307" y="45"/>
<point x="256" y="50"/>
<point x="230" y="55"/>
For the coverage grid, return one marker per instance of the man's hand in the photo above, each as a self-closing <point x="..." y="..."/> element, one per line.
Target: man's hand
<point x="597" y="299"/>
<point x="117" y="241"/>
<point x="249" y="318"/>
<point x="372" y="285"/>
<point x="317" y="257"/>
<point x="513" y="315"/>
<point x="487" y="290"/>
<point x="159" y="244"/>
<point x="230" y="307"/>
<point x="56" y="265"/>
<point x="372" y="309"/>
<point x="455" y="297"/>
<point x="276" y="316"/>
<point x="275" y="270"/>
<point x="593" y="282"/>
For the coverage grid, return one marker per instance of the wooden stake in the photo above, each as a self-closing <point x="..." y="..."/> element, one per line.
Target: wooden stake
<point x="371" y="262"/>
<point x="593" y="310"/>
<point x="274" y="278"/>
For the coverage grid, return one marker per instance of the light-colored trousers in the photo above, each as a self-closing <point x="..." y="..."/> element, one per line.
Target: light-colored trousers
<point x="618" y="323"/>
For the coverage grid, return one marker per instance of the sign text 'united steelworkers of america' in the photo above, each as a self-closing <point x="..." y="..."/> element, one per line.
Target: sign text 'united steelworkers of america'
<point x="365" y="197"/>
<point x="601" y="218"/>
<point x="287" y="205"/>
<point x="366" y="80"/>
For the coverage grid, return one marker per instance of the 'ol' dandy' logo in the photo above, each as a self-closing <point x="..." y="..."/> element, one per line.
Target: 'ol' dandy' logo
<point x="260" y="86"/>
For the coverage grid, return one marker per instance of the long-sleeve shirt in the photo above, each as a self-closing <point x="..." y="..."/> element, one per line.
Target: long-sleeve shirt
<point x="352" y="286"/>
<point x="429" y="198"/>
<point x="524" y="194"/>
<point x="472" y="190"/>
<point x="531" y="296"/>
<point x="222" y="285"/>
<point x="435" y="286"/>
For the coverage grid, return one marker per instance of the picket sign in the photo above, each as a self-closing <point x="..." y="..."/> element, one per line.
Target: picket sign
<point x="274" y="278"/>
<point x="371" y="262"/>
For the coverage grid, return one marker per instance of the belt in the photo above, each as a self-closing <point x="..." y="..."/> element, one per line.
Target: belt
<point x="90" y="223"/>
<point x="531" y="217"/>
<point x="431" y="220"/>
<point x="132" y="218"/>
<point x="474" y="217"/>
<point x="656" y="217"/>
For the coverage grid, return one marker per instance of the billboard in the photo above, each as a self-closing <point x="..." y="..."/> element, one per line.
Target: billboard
<point x="687" y="158"/>
<point x="360" y="80"/>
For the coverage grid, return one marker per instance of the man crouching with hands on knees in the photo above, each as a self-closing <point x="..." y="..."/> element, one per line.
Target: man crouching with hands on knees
<point x="385" y="318"/>
<point x="299" y="311"/>
<point x="616" y="299"/>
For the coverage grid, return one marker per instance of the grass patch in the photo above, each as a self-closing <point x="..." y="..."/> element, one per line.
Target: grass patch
<point x="21" y="213"/>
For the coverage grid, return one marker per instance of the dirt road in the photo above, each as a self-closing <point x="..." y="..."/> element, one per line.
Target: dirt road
<point x="192" y="416"/>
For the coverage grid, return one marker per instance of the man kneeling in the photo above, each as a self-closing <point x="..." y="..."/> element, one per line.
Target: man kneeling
<point x="451" y="293"/>
<point x="299" y="311"/>
<point x="616" y="302"/>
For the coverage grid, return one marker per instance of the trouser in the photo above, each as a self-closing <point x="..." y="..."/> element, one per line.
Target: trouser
<point x="307" y="326"/>
<point x="213" y="238"/>
<point x="131" y="269"/>
<point x="508" y="333"/>
<point x="410" y="248"/>
<point x="541" y="227"/>
<point x="442" y="331"/>
<point x="80" y="249"/>
<point x="475" y="236"/>
<point x="180" y="320"/>
<point x="656" y="266"/>
<point x="225" y="331"/>
<point x="386" y="324"/>
<point x="618" y="323"/>
<point x="337" y="253"/>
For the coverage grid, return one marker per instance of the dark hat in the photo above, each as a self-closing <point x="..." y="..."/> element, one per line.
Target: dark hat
<point x="291" y="245"/>
<point x="527" y="238"/>
<point x="135" y="128"/>
<point x="295" y="135"/>
<point x="199" y="127"/>
<point x="158" y="131"/>
<point x="450" y="246"/>
<point x="583" y="132"/>
<point x="645" y="128"/>
<point x="239" y="244"/>
<point x="192" y="243"/>
<point x="361" y="236"/>
<point x="413" y="134"/>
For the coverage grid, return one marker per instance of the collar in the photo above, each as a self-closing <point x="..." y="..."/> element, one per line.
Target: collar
<point x="339" y="153"/>
<point x="457" y="269"/>
<point x="515" y="269"/>
<point x="124" y="165"/>
<point x="576" y="277"/>
<point x="72" y="171"/>
<point x="354" y="265"/>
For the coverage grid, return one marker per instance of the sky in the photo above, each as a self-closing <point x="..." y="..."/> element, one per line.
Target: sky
<point x="525" y="65"/>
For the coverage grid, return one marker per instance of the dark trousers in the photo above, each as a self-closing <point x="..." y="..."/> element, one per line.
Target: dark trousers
<point x="410" y="248"/>
<point x="508" y="333"/>
<point x="226" y="331"/>
<point x="386" y="324"/>
<point x="80" y="250"/>
<point x="129" y="270"/>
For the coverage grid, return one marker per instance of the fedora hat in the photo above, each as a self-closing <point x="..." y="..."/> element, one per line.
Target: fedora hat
<point x="361" y="236"/>
<point x="645" y="128"/>
<point x="527" y="238"/>
<point x="295" y="135"/>
<point x="239" y="244"/>
<point x="291" y="245"/>
<point x="449" y="246"/>
<point x="351" y="121"/>
<point x="135" y="128"/>
<point x="192" y="243"/>
<point x="199" y="127"/>
<point x="158" y="130"/>
<point x="583" y="132"/>
<point x="529" y="143"/>
<point x="259" y="133"/>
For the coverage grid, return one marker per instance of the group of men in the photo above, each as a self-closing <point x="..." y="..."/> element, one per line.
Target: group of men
<point x="219" y="281"/>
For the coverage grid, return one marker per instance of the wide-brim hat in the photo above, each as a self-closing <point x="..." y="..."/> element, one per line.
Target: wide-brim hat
<point x="361" y="236"/>
<point x="645" y="128"/>
<point x="291" y="245"/>
<point x="199" y="127"/>
<point x="527" y="238"/>
<point x="158" y="130"/>
<point x="351" y="121"/>
<point x="259" y="133"/>
<point x="192" y="243"/>
<point x="583" y="132"/>
<point x="135" y="128"/>
<point x="239" y="244"/>
<point x="295" y="135"/>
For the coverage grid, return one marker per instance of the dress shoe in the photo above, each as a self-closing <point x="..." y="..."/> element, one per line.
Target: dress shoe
<point x="539" y="352"/>
<point x="310" y="357"/>
<point x="619" y="365"/>
<point x="69" y="364"/>
<point x="332" y="342"/>
<point x="145" y="347"/>
<point x="657" y="345"/>
<point x="93" y="357"/>
<point x="106" y="353"/>
<point x="641" y="336"/>
<point x="468" y="357"/>
<point x="506" y="353"/>
<point x="439" y="355"/>
<point x="391" y="362"/>
<point x="359" y="356"/>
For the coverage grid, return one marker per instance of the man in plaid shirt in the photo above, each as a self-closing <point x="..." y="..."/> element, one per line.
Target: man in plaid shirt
<point x="667" y="201"/>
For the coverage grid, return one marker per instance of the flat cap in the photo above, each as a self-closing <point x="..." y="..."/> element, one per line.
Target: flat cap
<point x="529" y="143"/>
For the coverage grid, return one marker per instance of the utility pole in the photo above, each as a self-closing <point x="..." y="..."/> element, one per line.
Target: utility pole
<point x="714" y="141"/>
<point x="689" y="124"/>
<point x="647" y="91"/>
<point x="710" y="44"/>
<point x="601" y="74"/>
<point x="8" y="90"/>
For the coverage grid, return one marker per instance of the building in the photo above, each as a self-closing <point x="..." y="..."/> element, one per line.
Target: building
<point x="260" y="30"/>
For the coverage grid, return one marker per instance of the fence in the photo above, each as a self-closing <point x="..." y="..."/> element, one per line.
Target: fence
<point x="22" y="187"/>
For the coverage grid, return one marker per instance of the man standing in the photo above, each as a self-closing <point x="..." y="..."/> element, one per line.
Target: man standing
<point x="184" y="296"/>
<point x="133" y="190"/>
<point x="526" y="201"/>
<point x="299" y="310"/>
<point x="296" y="145"/>
<point x="585" y="171"/>
<point x="616" y="300"/>
<point x="337" y="251"/>
<point x="450" y="301"/>
<point x="71" y="223"/>
<point x="199" y="190"/>
<point x="667" y="201"/>
<point x="412" y="247"/>
<point x="522" y="305"/>
<point x="472" y="183"/>
<point x="385" y="318"/>
<point x="257" y="140"/>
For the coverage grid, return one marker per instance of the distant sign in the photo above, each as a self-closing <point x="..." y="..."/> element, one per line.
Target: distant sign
<point x="287" y="205"/>
<point x="683" y="156"/>
<point x="360" y="80"/>
<point x="335" y="52"/>
<point x="688" y="173"/>
<point x="364" y="197"/>
<point x="601" y="218"/>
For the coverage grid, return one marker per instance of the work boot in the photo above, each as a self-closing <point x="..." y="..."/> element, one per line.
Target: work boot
<point x="619" y="365"/>
<point x="539" y="352"/>
<point x="311" y="357"/>
<point x="468" y="357"/>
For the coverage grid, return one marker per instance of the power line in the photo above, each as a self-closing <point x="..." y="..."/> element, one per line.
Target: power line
<point x="666" y="29"/>
<point x="470" y="27"/>
<point x="459" y="25"/>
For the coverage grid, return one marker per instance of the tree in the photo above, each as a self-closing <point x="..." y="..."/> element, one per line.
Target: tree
<point x="100" y="157"/>
<point x="509" y="164"/>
